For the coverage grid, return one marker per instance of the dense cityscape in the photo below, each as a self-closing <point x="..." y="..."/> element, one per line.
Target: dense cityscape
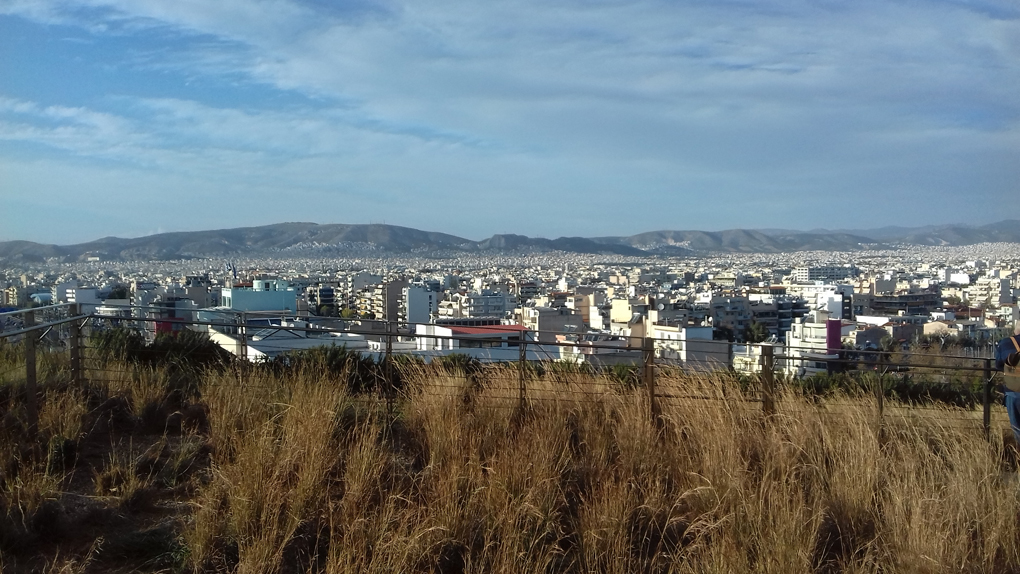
<point x="703" y="311"/>
<point x="374" y="287"/>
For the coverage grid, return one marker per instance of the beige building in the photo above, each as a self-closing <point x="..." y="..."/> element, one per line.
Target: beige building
<point x="15" y="296"/>
<point x="549" y="320"/>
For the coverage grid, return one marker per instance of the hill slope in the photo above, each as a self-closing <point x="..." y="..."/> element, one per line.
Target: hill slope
<point x="298" y="238"/>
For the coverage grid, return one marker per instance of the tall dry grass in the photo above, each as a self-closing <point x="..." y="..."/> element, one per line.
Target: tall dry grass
<point x="264" y="472"/>
<point x="458" y="479"/>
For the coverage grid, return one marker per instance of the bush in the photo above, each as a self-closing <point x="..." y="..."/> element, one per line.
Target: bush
<point x="184" y="348"/>
<point x="912" y="390"/>
<point x="362" y="373"/>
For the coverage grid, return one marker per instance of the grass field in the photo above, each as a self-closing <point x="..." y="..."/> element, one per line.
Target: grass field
<point x="145" y="469"/>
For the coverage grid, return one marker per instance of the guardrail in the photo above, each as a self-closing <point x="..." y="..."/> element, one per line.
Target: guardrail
<point x="63" y="329"/>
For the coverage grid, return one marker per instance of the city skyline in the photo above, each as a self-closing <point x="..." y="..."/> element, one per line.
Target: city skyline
<point x="132" y="118"/>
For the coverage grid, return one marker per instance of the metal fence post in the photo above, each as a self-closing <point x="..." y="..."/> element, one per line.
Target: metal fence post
<point x="30" y="374"/>
<point x="880" y="397"/>
<point x="242" y="350"/>
<point x="987" y="400"/>
<point x="649" y="376"/>
<point x="74" y="346"/>
<point x="522" y="364"/>
<point x="243" y="335"/>
<point x="768" y="380"/>
<point x="388" y="370"/>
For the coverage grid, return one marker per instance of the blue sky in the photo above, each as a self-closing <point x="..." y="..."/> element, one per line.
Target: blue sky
<point x="131" y="117"/>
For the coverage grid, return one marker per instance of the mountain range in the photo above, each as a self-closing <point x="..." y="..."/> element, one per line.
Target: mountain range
<point x="296" y="239"/>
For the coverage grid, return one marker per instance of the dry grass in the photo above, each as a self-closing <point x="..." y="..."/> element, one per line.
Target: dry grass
<point x="584" y="481"/>
<point x="293" y="474"/>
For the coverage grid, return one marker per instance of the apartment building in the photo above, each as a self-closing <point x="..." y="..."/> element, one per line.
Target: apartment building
<point x="807" y="274"/>
<point x="15" y="296"/>
<point x="417" y="305"/>
<point x="479" y="304"/>
<point x="732" y="313"/>
<point x="549" y="320"/>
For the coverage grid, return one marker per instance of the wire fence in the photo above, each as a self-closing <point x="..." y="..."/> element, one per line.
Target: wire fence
<point x="535" y="367"/>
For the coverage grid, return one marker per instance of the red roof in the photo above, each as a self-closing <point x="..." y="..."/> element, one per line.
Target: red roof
<point x="487" y="329"/>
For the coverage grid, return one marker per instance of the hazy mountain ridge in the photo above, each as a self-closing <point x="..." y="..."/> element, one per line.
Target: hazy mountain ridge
<point x="297" y="237"/>
<point x="744" y="241"/>
<point x="1006" y="231"/>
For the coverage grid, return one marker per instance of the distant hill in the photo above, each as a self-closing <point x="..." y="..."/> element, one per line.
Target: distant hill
<point x="1007" y="231"/>
<point x="244" y="240"/>
<point x="741" y="241"/>
<point x="306" y="238"/>
<point x="567" y="244"/>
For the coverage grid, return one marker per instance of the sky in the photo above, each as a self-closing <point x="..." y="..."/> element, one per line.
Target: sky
<point x="543" y="118"/>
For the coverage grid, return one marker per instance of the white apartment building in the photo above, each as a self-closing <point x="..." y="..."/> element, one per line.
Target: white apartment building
<point x="60" y="290"/>
<point x="806" y="274"/>
<point x="82" y="295"/>
<point x="470" y="305"/>
<point x="989" y="289"/>
<point x="417" y="304"/>
<point x="813" y="342"/>
<point x="692" y="346"/>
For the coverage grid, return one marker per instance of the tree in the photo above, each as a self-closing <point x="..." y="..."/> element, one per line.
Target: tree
<point x="348" y="313"/>
<point x="756" y="333"/>
<point x="886" y="347"/>
<point x="119" y="292"/>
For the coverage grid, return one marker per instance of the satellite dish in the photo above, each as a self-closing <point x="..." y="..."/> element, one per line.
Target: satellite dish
<point x="660" y="306"/>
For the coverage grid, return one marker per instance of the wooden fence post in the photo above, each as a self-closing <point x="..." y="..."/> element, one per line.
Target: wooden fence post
<point x="768" y="380"/>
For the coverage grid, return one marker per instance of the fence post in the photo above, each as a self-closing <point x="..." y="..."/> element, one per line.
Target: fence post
<point x="74" y="344"/>
<point x="987" y="400"/>
<point x="522" y="364"/>
<point x="30" y="374"/>
<point x="241" y="351"/>
<point x="243" y="335"/>
<point x="880" y="397"/>
<point x="768" y="379"/>
<point x="388" y="370"/>
<point x="649" y="376"/>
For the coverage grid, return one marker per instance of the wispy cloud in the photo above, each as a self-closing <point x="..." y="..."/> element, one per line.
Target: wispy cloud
<point x="432" y="102"/>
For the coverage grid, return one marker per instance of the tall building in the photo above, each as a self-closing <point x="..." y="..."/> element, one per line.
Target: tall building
<point x="474" y="305"/>
<point x="319" y="295"/>
<point x="417" y="305"/>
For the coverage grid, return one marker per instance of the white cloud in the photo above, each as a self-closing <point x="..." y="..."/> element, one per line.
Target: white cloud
<point x="677" y="100"/>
